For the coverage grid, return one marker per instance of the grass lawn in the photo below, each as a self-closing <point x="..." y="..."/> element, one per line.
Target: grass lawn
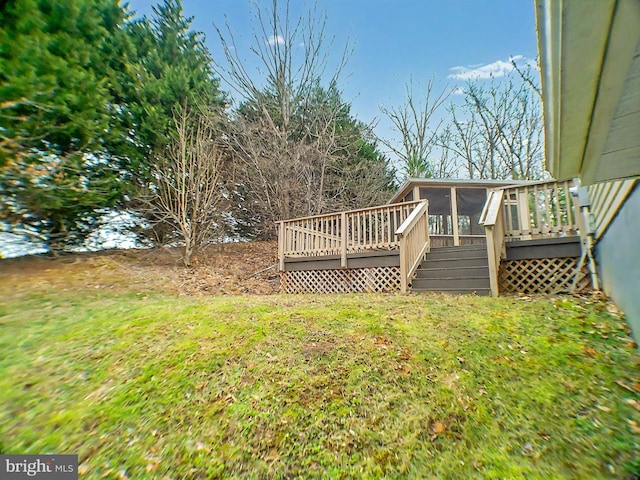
<point x="149" y="385"/>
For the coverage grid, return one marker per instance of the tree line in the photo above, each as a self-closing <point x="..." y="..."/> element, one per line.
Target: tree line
<point x="102" y="112"/>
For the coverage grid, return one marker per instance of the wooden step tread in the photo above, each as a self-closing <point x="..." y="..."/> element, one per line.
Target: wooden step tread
<point x="423" y="268"/>
<point x="455" y="291"/>
<point x="428" y="260"/>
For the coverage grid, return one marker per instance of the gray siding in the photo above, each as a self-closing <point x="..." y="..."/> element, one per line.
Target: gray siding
<point x="618" y="258"/>
<point x="606" y="199"/>
<point x="622" y="150"/>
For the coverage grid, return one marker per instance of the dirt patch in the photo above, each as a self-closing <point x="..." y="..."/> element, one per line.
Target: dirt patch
<point x="225" y="269"/>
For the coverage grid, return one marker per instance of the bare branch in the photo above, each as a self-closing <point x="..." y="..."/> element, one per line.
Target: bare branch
<point x="187" y="194"/>
<point x="416" y="122"/>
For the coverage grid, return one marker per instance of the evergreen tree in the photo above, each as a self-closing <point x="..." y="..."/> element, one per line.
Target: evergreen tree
<point x="166" y="66"/>
<point x="169" y="66"/>
<point x="54" y="116"/>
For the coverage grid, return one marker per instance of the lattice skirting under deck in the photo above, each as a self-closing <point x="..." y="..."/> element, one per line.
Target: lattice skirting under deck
<point x="543" y="275"/>
<point x="352" y="280"/>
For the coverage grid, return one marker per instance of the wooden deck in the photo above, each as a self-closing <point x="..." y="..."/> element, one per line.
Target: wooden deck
<point x="533" y="242"/>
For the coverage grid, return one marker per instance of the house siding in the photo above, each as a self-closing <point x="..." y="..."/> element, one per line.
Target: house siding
<point x="606" y="198"/>
<point x="618" y="259"/>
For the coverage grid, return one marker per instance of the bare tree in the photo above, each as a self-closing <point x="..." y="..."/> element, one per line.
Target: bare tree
<point x="291" y="136"/>
<point x="498" y="131"/>
<point x="417" y="123"/>
<point x="187" y="195"/>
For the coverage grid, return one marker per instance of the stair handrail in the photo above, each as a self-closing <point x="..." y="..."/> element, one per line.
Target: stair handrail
<point x="493" y="221"/>
<point x="413" y="237"/>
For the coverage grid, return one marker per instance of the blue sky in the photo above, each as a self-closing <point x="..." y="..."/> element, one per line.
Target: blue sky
<point x="393" y="41"/>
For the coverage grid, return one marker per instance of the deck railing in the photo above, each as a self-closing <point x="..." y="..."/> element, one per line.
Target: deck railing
<point x="527" y="212"/>
<point x="540" y="210"/>
<point x="413" y="236"/>
<point x="343" y="233"/>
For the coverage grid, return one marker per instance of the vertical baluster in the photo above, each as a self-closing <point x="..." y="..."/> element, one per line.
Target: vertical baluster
<point x="332" y="230"/>
<point x="349" y="230"/>
<point x="571" y="221"/>
<point x="365" y="226"/>
<point x="509" y="210"/>
<point x="524" y="205"/>
<point x="295" y="244"/>
<point x="535" y="215"/>
<point x="334" y="234"/>
<point x="558" y="210"/>
<point x="302" y="237"/>
<point x="327" y="237"/>
<point x="547" y="211"/>
<point x="354" y="225"/>
<point x="390" y="229"/>
<point x="285" y="238"/>
<point x="309" y="235"/>
<point x="383" y="226"/>
<point x="367" y="232"/>
<point x="314" y="232"/>
<point x="376" y="219"/>
<point x="370" y="227"/>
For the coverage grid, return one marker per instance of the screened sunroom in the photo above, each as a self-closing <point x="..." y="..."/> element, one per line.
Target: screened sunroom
<point x="455" y="207"/>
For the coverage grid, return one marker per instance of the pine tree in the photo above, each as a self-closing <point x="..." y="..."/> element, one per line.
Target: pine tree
<point x="167" y="67"/>
<point x="54" y="117"/>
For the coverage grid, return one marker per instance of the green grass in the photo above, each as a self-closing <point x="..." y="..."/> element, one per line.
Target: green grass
<point x="145" y="385"/>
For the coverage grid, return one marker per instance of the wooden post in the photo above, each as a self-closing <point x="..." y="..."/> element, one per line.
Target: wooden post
<point x="343" y="240"/>
<point x="493" y="267"/>
<point x="416" y="193"/>
<point x="281" y="240"/>
<point x="404" y="281"/>
<point x="454" y="216"/>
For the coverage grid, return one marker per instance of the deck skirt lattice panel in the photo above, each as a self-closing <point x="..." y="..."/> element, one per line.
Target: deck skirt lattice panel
<point x="542" y="275"/>
<point x="351" y="280"/>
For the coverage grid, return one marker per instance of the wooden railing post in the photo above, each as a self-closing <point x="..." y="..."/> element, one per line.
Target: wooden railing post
<point x="343" y="240"/>
<point x="493" y="267"/>
<point x="454" y="216"/>
<point x="404" y="280"/>
<point x="281" y="246"/>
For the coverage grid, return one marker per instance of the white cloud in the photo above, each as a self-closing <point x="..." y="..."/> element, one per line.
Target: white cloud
<point x="275" y="39"/>
<point x="496" y="69"/>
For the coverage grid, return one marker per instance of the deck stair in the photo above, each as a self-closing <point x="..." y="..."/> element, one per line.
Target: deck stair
<point x="459" y="269"/>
